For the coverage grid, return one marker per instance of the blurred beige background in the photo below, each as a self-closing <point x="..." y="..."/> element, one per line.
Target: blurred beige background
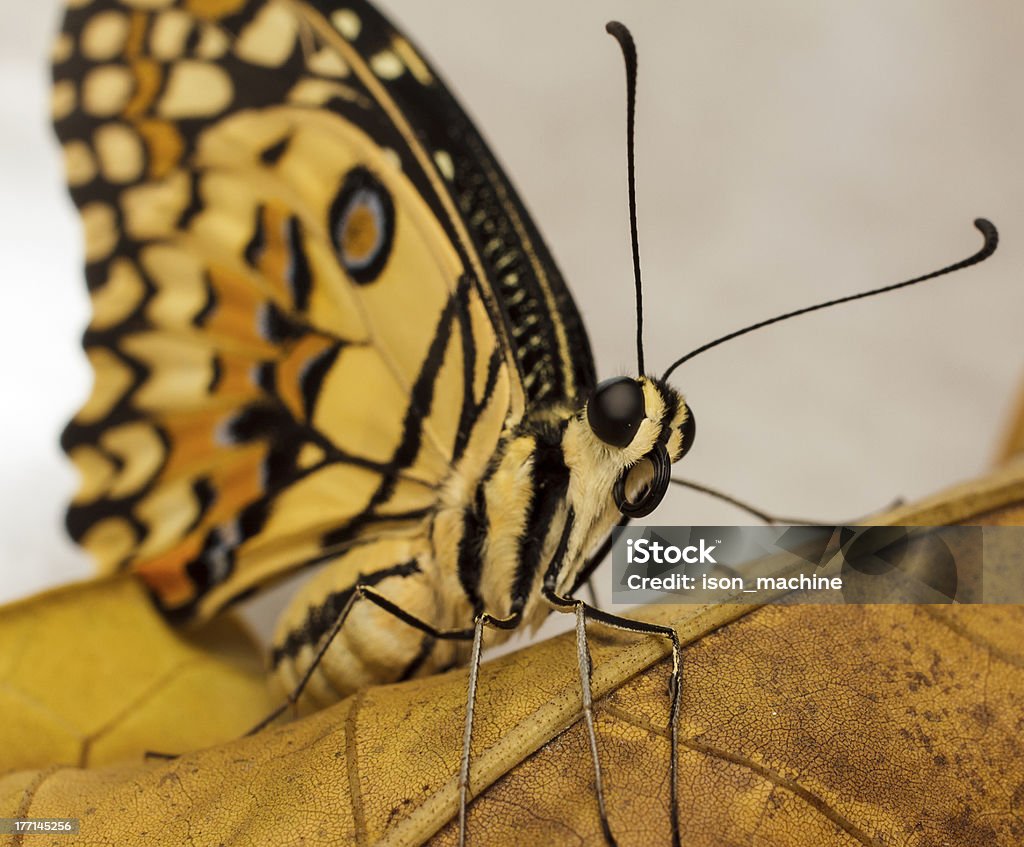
<point x="787" y="153"/>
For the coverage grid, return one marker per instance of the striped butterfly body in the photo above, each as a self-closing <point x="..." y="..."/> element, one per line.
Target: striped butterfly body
<point x="326" y="332"/>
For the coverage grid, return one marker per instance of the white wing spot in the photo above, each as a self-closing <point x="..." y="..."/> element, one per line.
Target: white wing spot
<point x="412" y="60"/>
<point x="228" y="536"/>
<point x="387" y="65"/>
<point x="63" y="48"/>
<point x="79" y="164"/>
<point x="213" y="43"/>
<point x="316" y="92"/>
<point x="223" y="435"/>
<point x="168" y="34"/>
<point x="262" y="328"/>
<point x="104" y="36"/>
<point x="270" y="39"/>
<point x="347" y="23"/>
<point x="327" y="62"/>
<point x="195" y="90"/>
<point x="120" y="152"/>
<point x="444" y="164"/>
<point x="106" y="90"/>
<point x="100" y="231"/>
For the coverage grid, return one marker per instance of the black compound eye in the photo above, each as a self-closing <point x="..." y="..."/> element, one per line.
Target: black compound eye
<point x="615" y="410"/>
<point x="689" y="432"/>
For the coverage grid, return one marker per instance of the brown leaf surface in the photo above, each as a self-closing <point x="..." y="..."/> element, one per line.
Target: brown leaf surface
<point x="800" y="725"/>
<point x="90" y="674"/>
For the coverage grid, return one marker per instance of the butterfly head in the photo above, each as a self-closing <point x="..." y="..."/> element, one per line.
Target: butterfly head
<point x="642" y="425"/>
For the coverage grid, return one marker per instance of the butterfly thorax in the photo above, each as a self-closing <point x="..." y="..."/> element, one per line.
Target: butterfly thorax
<point x="545" y="497"/>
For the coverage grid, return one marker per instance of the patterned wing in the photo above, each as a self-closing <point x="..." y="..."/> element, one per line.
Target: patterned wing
<point x="314" y="292"/>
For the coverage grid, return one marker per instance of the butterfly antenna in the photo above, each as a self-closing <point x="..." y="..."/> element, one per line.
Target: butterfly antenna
<point x="622" y="35"/>
<point x="986" y="228"/>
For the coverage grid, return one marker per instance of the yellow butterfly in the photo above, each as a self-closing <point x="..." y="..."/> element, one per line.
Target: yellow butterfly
<point x="326" y="332"/>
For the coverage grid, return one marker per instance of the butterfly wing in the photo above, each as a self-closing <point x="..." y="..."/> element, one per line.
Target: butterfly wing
<point x="314" y="291"/>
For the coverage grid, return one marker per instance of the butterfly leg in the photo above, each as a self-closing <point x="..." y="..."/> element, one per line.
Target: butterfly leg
<point x="373" y="615"/>
<point x="583" y="611"/>
<point x="359" y="592"/>
<point x="585" y="578"/>
<point x="594" y="562"/>
<point x="482" y="620"/>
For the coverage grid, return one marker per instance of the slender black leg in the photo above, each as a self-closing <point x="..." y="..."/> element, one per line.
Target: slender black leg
<point x="467" y="734"/>
<point x="359" y="592"/>
<point x="583" y="611"/>
<point x="479" y="623"/>
<point x="586" y="668"/>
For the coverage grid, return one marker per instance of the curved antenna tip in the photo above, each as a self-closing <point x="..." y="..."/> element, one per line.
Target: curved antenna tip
<point x="988" y="229"/>
<point x="620" y="32"/>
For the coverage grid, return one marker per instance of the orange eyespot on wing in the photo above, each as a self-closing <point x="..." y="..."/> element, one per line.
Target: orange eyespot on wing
<point x="363" y="224"/>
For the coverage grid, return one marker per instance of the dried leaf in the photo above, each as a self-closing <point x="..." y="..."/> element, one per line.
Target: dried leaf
<point x="91" y="674"/>
<point x="800" y="725"/>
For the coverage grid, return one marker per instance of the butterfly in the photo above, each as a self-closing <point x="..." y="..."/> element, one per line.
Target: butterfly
<point x="326" y="332"/>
